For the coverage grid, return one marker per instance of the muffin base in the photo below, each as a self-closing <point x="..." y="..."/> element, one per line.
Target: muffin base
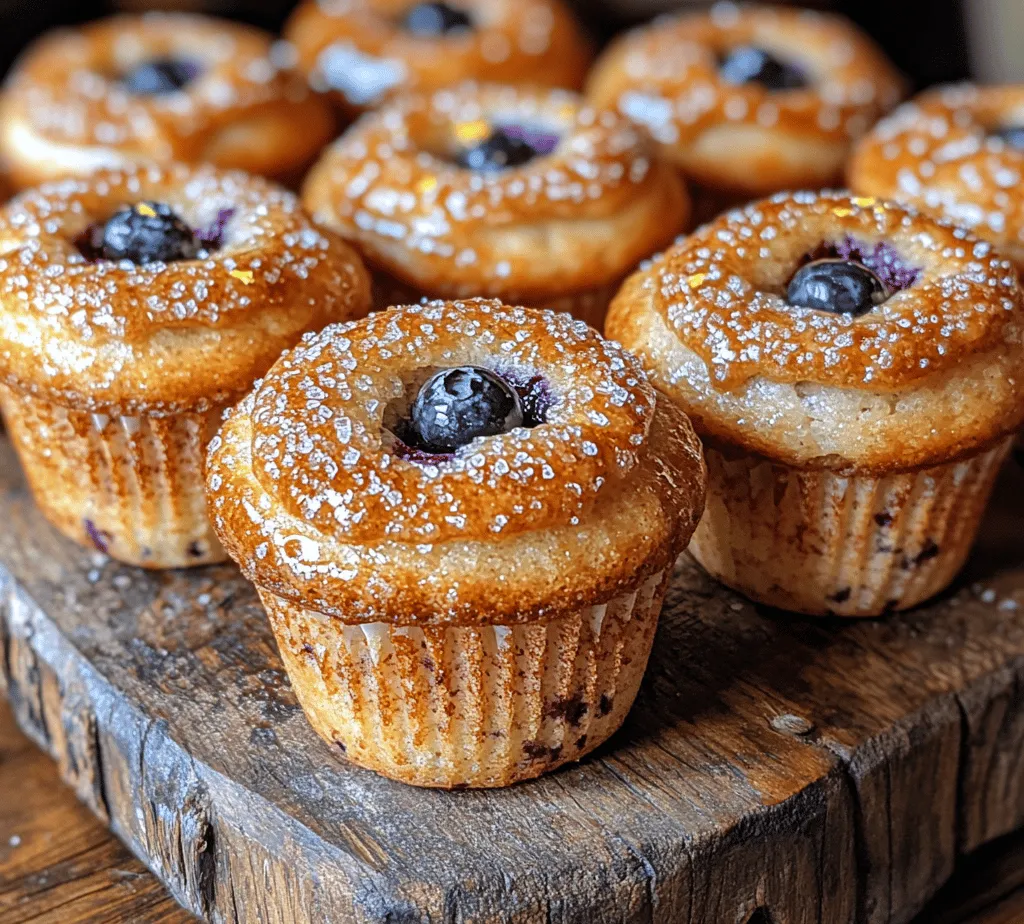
<point x="819" y="543"/>
<point x="460" y="707"/>
<point x="590" y="305"/>
<point x="130" y="487"/>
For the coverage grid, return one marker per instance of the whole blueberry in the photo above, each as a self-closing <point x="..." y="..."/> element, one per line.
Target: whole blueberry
<point x="455" y="406"/>
<point x="1011" y="135"/>
<point x="431" y="20"/>
<point x="498" y="151"/>
<point x="148" y="232"/>
<point x="160" y="75"/>
<point x="838" y="286"/>
<point x="749" y="64"/>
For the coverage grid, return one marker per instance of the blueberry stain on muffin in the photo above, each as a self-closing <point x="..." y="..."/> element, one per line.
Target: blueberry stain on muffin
<point x="836" y="285"/>
<point x="212" y="236"/>
<point x="494" y="148"/>
<point x="160" y="76"/>
<point x="535" y="395"/>
<point x="456" y="406"/>
<point x="1011" y="135"/>
<point x="148" y="232"/>
<point x="750" y="64"/>
<point x="500" y="150"/>
<point x="884" y="260"/>
<point x="433" y="20"/>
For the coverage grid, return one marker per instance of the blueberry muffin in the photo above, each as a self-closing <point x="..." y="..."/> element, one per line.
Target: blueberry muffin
<point x="462" y="519"/>
<point x="521" y="194"/>
<point x="749" y="100"/>
<point x="362" y="51"/>
<point x="955" y="152"/>
<point x="158" y="87"/>
<point x="855" y="372"/>
<point x="135" y="305"/>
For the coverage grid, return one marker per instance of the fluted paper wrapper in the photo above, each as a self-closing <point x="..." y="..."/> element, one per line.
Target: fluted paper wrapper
<point x="820" y="543"/>
<point x="456" y="707"/>
<point x="131" y="487"/>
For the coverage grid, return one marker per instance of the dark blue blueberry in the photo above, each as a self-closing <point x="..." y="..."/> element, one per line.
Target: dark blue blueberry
<point x="838" y="286"/>
<point x="1011" y="135"/>
<point x="749" y="64"/>
<point x="455" y="406"/>
<point x="148" y="233"/>
<point x="160" y="75"/>
<point x="499" y="151"/>
<point x="436" y="19"/>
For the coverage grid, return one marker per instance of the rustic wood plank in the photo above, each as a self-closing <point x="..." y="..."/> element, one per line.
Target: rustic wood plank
<point x="792" y="769"/>
<point x="58" y="865"/>
<point x="987" y="884"/>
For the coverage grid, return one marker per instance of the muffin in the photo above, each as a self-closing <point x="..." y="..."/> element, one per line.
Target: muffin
<point x="158" y="87"/>
<point x="134" y="306"/>
<point x="856" y="373"/>
<point x="520" y="194"/>
<point x="955" y="152"/>
<point x="748" y="100"/>
<point x="461" y="518"/>
<point x="361" y="51"/>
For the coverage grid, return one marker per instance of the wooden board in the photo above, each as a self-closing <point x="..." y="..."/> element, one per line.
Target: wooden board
<point x="775" y="768"/>
<point x="58" y="865"/>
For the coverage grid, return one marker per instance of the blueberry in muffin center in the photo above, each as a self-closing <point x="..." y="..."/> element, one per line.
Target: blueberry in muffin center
<point x="455" y="406"/>
<point x="160" y="75"/>
<point x="432" y="20"/>
<point x="750" y="64"/>
<point x="1011" y="135"/>
<point x="836" y="285"/>
<point x="148" y="232"/>
<point x="507" y="146"/>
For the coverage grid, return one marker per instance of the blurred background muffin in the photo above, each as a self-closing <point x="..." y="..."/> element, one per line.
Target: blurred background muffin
<point x="952" y="39"/>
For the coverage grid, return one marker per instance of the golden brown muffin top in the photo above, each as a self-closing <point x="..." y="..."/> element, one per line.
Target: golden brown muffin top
<point x="163" y="336"/>
<point x="68" y="86"/>
<point x="945" y="341"/>
<point x="311" y="484"/>
<point x="666" y="75"/>
<point x="361" y="51"/>
<point x="942" y="154"/>
<point x="557" y="223"/>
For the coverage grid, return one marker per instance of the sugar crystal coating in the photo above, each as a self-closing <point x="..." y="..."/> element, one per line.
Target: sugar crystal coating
<point x="951" y="152"/>
<point x="721" y="291"/>
<point x="76" y="324"/>
<point x="324" y="420"/>
<point x="667" y="75"/>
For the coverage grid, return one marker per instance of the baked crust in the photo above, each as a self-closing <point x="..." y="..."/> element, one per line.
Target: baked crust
<point x="120" y="338"/>
<point x="935" y="153"/>
<point x="745" y="138"/>
<point x="358" y="51"/>
<point x="574" y="220"/>
<point x="934" y="373"/>
<point x="65" y="112"/>
<point x="311" y="493"/>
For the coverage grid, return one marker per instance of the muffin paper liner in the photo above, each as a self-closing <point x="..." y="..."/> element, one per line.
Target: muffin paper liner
<point x="130" y="487"/>
<point x="820" y="543"/>
<point x="457" y="707"/>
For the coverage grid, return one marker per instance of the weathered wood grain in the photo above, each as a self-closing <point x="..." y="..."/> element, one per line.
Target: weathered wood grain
<point x="777" y="767"/>
<point x="57" y="863"/>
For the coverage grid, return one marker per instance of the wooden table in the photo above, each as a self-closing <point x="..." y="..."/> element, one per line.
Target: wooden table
<point x="59" y="865"/>
<point x="57" y="862"/>
<point x="821" y="771"/>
